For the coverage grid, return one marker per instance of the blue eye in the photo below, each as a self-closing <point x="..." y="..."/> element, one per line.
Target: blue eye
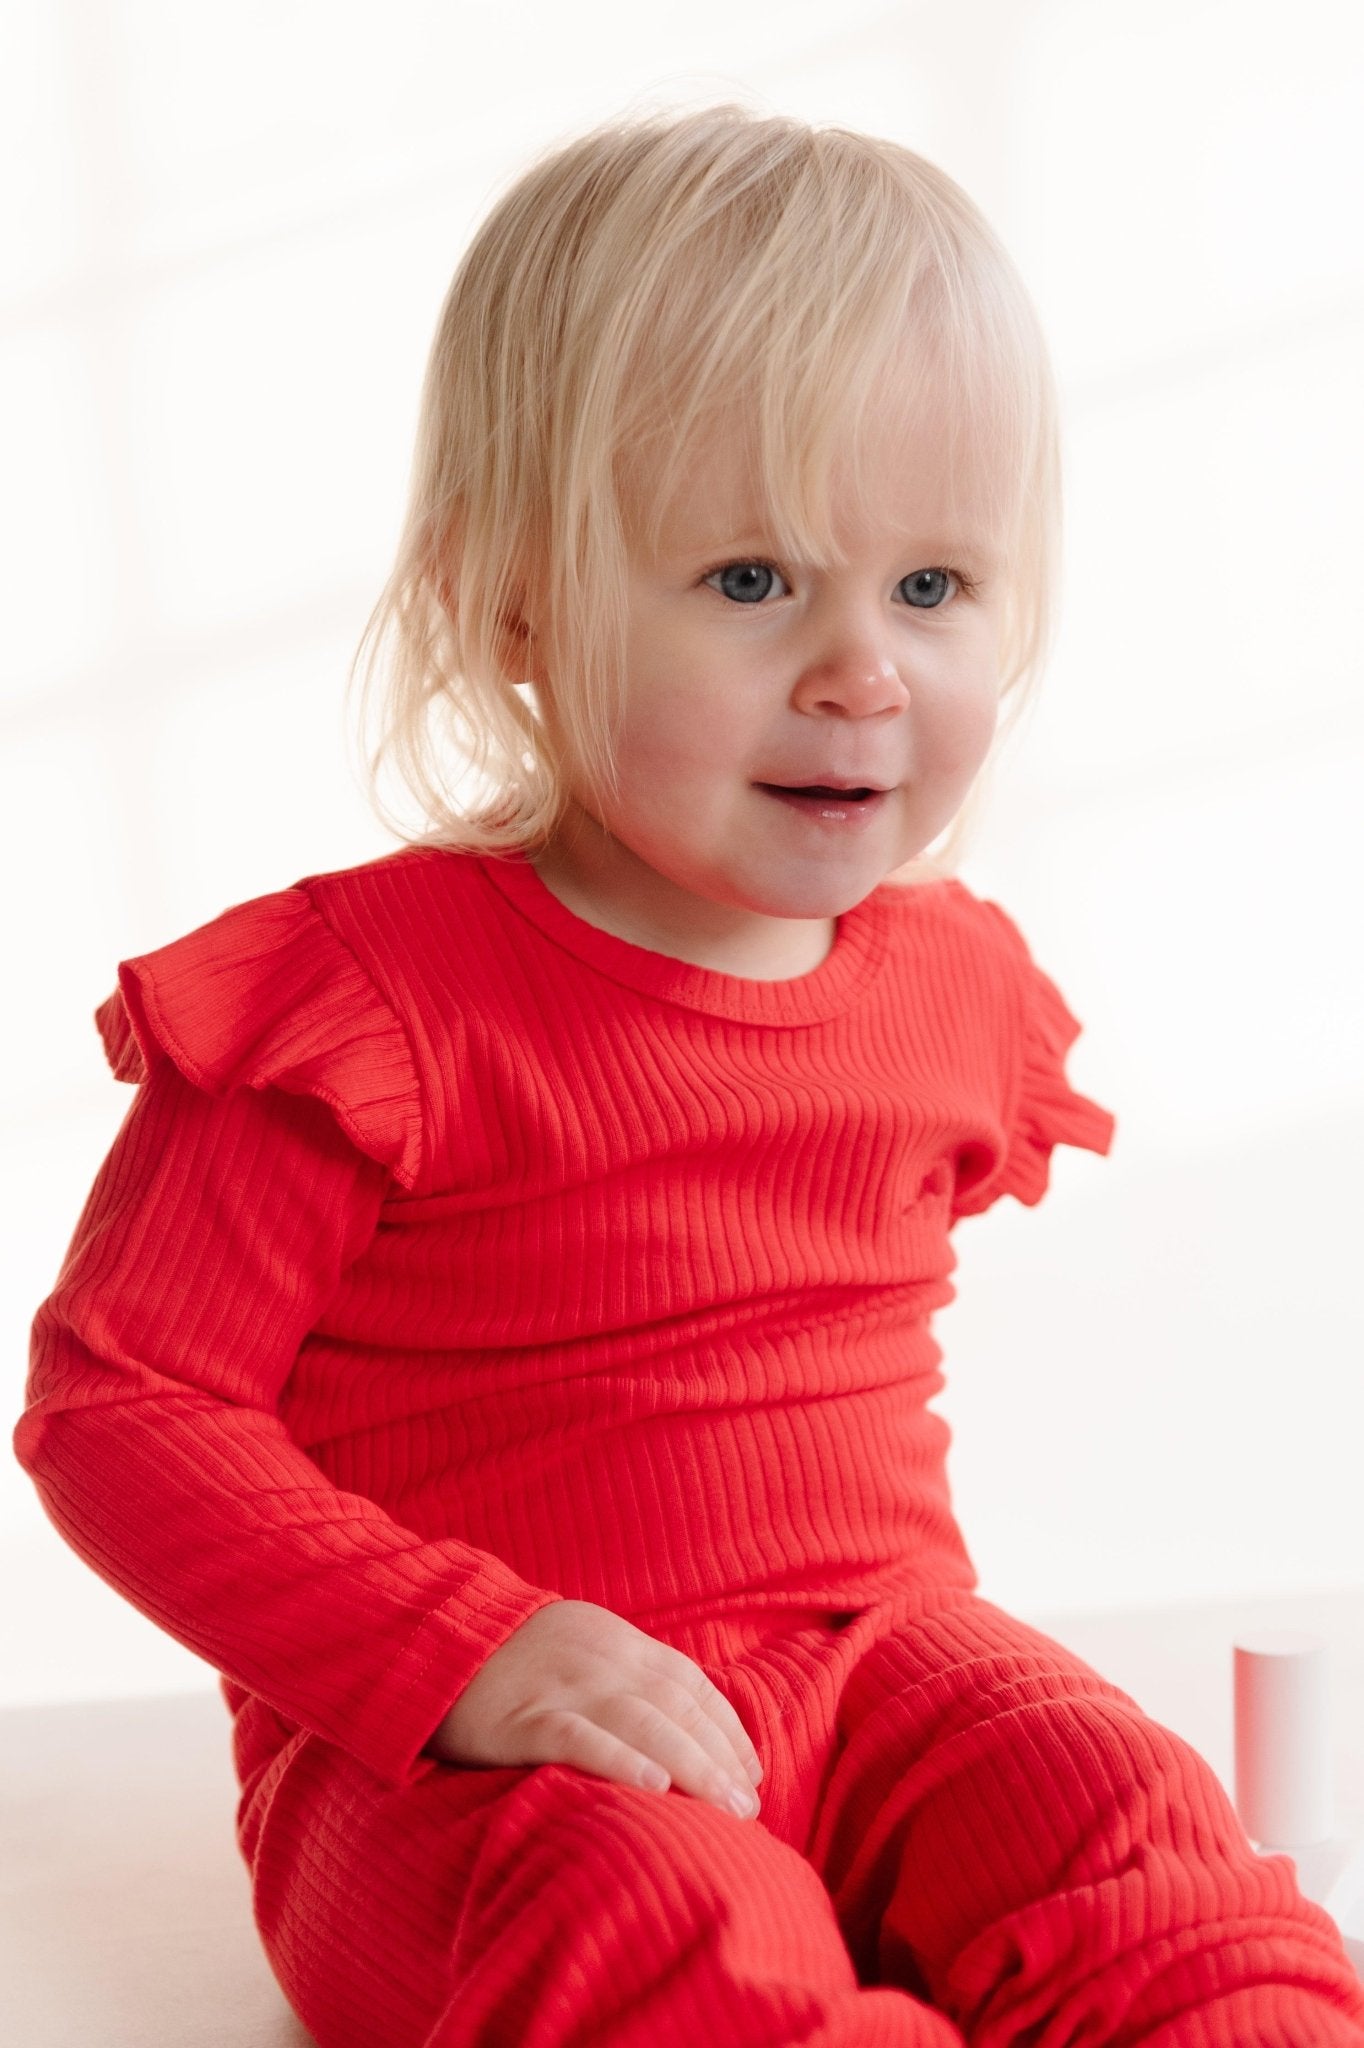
<point x="918" y="579"/>
<point x="750" y="582"/>
<point x="741" y="592"/>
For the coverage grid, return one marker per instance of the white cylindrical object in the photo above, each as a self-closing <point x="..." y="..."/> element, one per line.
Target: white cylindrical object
<point x="1284" y="1792"/>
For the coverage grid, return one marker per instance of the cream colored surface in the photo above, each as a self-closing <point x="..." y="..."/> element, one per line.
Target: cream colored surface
<point x="127" y="1909"/>
<point x="127" y="1912"/>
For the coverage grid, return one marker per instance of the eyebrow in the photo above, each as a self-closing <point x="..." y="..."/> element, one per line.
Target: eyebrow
<point x="963" y="547"/>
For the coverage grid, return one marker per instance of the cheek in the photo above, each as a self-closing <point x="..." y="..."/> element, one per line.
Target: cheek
<point x="686" y="736"/>
<point x="966" y="726"/>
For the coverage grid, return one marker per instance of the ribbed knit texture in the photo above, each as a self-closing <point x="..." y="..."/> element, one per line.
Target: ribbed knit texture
<point x="967" y="1835"/>
<point x="455" y="1256"/>
<point x="449" y="1241"/>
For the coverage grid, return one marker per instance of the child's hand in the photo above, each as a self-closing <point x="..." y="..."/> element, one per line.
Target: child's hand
<point x="577" y="1684"/>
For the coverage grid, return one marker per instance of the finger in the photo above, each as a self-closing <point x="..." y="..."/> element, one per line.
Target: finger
<point x="727" y="1714"/>
<point x="678" y="1731"/>
<point x="722" y="1712"/>
<point x="587" y="1746"/>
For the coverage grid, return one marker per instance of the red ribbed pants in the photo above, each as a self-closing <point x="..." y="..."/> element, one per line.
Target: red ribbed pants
<point x="966" y="1834"/>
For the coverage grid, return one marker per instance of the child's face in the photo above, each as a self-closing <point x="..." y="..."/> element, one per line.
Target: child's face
<point x="741" y="677"/>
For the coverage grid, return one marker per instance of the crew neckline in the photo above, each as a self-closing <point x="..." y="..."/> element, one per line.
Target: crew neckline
<point x="847" y="969"/>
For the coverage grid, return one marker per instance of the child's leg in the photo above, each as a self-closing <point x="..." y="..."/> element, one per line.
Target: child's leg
<point x="539" y="1907"/>
<point x="1008" y="1835"/>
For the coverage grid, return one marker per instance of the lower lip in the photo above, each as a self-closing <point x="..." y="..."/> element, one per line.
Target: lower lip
<point x="835" y="815"/>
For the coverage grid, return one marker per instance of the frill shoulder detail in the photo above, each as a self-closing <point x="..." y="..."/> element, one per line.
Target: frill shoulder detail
<point x="267" y="995"/>
<point x="1047" y="1110"/>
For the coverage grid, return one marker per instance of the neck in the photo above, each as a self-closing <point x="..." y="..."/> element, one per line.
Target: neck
<point x="601" y="881"/>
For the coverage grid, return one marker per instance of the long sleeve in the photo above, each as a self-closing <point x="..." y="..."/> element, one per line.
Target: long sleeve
<point x="450" y="1239"/>
<point x="217" y="1229"/>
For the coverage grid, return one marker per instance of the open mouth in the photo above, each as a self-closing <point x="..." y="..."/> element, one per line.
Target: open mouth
<point x="853" y="796"/>
<point x="828" y="806"/>
<point x="819" y="789"/>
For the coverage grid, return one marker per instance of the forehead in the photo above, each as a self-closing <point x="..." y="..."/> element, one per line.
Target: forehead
<point x="915" y="487"/>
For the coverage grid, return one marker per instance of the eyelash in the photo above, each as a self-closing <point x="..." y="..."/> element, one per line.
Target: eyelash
<point x="967" y="585"/>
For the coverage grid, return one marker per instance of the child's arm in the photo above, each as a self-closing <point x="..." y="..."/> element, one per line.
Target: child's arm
<point x="278" y="1101"/>
<point x="212" y="1239"/>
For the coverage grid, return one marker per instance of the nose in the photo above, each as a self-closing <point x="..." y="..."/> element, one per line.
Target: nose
<point x="855" y="683"/>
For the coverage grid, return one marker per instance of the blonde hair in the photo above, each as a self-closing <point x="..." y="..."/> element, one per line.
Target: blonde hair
<point x="653" y="276"/>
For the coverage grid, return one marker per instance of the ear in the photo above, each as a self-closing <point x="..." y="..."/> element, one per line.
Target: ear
<point x="519" y="649"/>
<point x="517" y="646"/>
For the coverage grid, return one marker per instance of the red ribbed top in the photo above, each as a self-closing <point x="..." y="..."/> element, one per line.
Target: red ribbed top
<point x="455" y="1256"/>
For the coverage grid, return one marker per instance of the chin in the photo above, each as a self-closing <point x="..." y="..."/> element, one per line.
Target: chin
<point x="820" y="899"/>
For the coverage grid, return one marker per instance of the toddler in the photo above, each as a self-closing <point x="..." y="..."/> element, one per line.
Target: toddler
<point x="499" y="1338"/>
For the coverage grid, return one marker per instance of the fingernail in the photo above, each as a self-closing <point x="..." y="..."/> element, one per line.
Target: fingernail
<point x="743" y="1803"/>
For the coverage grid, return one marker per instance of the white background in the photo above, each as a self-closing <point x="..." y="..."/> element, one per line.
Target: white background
<point x="226" y="237"/>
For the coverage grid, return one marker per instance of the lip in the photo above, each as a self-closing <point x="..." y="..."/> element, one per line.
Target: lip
<point x="827" y="813"/>
<point x="843" y="782"/>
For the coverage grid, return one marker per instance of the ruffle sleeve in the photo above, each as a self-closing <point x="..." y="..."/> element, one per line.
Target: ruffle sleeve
<point x="268" y="996"/>
<point x="1045" y="1111"/>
